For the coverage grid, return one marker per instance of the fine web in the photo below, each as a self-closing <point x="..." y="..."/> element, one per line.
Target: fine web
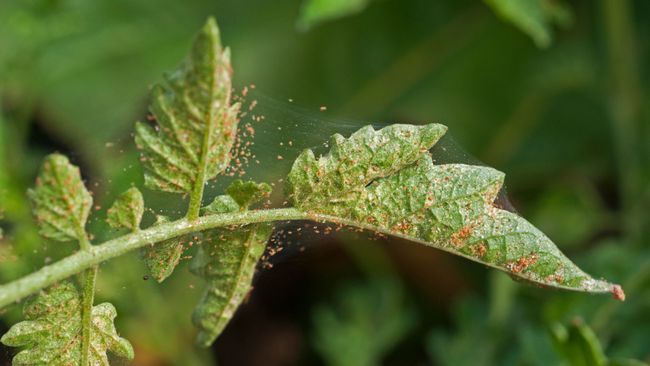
<point x="272" y="135"/>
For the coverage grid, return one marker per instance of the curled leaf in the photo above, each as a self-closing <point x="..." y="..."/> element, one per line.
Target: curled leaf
<point x="52" y="331"/>
<point x="162" y="258"/>
<point x="196" y="121"/>
<point x="371" y="182"/>
<point x="61" y="202"/>
<point x="127" y="210"/>
<point x="226" y="260"/>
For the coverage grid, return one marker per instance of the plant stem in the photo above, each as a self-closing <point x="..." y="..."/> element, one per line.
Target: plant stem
<point x="85" y="259"/>
<point x="82" y="260"/>
<point x="87" y="310"/>
<point x="88" y="298"/>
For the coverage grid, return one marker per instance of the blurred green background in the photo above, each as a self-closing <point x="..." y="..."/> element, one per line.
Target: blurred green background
<point x="556" y="94"/>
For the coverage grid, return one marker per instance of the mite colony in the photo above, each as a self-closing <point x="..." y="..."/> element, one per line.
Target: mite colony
<point x="241" y="157"/>
<point x="293" y="234"/>
<point x="241" y="154"/>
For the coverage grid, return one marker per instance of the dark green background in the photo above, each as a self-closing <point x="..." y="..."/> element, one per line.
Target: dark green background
<point x="569" y="124"/>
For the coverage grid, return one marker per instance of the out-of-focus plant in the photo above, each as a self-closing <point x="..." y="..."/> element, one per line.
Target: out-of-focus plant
<point x="317" y="11"/>
<point x="363" y="324"/>
<point x="536" y="18"/>
<point x="380" y="180"/>
<point x="578" y="345"/>
<point x="533" y="17"/>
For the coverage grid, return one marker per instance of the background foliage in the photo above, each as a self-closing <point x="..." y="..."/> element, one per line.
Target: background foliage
<point x="553" y="93"/>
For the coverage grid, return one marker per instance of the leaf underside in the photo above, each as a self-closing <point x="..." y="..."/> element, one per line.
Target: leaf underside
<point x="196" y="127"/>
<point x="127" y="210"/>
<point x="196" y="123"/>
<point x="162" y="258"/>
<point x="52" y="331"/>
<point x="386" y="181"/>
<point x="227" y="259"/>
<point x="61" y="202"/>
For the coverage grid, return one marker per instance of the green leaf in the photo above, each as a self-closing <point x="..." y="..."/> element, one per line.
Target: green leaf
<point x="127" y="210"/>
<point x="196" y="122"/>
<point x="162" y="258"/>
<point x="222" y="204"/>
<point x="386" y="181"/>
<point x="318" y="11"/>
<point x="60" y="200"/>
<point x="52" y="331"/>
<point x="357" y="161"/>
<point x="625" y="362"/>
<point x="246" y="193"/>
<point x="578" y="345"/>
<point x="533" y="17"/>
<point x="227" y="259"/>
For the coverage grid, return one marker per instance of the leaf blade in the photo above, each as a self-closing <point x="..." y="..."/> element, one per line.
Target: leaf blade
<point x="314" y="12"/>
<point x="52" y="334"/>
<point x="449" y="207"/>
<point x="127" y="210"/>
<point x="227" y="260"/>
<point x="366" y="155"/>
<point x="196" y="123"/>
<point x="61" y="203"/>
<point x="162" y="258"/>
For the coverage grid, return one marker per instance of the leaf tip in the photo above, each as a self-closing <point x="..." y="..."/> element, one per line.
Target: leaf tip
<point x="618" y="293"/>
<point x="125" y="349"/>
<point x="204" y="340"/>
<point x="5" y="339"/>
<point x="211" y="28"/>
<point x="433" y="132"/>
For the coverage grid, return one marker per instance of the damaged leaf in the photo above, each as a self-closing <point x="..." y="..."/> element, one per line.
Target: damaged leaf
<point x="386" y="181"/>
<point x="127" y="210"/>
<point x="196" y="123"/>
<point x="162" y="258"/>
<point x="52" y="331"/>
<point x="61" y="202"/>
<point x="227" y="259"/>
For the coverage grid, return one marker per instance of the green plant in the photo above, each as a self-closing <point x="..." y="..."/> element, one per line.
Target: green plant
<point x="533" y="17"/>
<point x="365" y="323"/>
<point x="578" y="345"/>
<point x="383" y="181"/>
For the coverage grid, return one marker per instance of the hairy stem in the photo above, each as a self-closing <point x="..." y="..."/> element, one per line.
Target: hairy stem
<point x="85" y="259"/>
<point x="82" y="260"/>
<point x="88" y="298"/>
<point x="87" y="309"/>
